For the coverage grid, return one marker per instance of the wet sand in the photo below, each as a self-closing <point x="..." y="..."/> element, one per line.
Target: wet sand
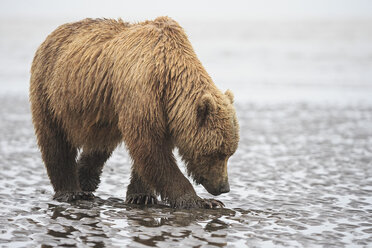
<point x="302" y="176"/>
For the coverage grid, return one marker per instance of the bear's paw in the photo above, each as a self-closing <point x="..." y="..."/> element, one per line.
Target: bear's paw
<point x="187" y="202"/>
<point x="72" y="196"/>
<point x="141" y="199"/>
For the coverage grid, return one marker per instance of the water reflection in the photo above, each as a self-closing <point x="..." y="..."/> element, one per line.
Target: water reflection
<point x="76" y="222"/>
<point x="85" y="221"/>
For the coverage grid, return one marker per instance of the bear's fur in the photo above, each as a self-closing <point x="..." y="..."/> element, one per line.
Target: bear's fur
<point x="99" y="82"/>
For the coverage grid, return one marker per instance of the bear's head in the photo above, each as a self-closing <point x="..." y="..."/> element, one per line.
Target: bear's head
<point x="215" y="138"/>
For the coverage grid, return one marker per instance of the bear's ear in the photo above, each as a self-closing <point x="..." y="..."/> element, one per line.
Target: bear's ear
<point x="230" y="95"/>
<point x="206" y="106"/>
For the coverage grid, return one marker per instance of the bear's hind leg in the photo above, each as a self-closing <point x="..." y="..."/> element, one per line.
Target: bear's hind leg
<point x="138" y="192"/>
<point x="90" y="167"/>
<point x="59" y="157"/>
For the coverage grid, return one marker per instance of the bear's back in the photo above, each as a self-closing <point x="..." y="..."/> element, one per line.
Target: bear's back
<point x="71" y="37"/>
<point x="62" y="72"/>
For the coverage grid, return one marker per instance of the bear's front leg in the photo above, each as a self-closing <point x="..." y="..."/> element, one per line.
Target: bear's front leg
<point x="157" y="167"/>
<point x="139" y="192"/>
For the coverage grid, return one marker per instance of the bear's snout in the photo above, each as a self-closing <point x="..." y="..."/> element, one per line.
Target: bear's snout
<point x="218" y="189"/>
<point x="224" y="188"/>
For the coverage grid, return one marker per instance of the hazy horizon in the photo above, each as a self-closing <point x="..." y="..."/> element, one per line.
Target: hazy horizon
<point x="236" y="9"/>
<point x="269" y="60"/>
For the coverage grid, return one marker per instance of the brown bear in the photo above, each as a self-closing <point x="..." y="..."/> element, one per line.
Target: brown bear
<point x="98" y="82"/>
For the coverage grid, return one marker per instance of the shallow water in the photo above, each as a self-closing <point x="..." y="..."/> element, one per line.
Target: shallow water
<point x="302" y="176"/>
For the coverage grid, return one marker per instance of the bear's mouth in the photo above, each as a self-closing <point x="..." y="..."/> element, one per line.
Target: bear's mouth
<point x="214" y="189"/>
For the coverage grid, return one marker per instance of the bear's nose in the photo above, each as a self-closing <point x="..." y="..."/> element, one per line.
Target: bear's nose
<point x="224" y="188"/>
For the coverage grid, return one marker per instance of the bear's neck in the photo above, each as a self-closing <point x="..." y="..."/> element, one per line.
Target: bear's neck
<point x="185" y="83"/>
<point x="183" y="80"/>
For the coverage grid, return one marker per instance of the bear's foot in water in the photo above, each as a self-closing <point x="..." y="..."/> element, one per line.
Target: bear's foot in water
<point x="141" y="199"/>
<point x="187" y="202"/>
<point x="72" y="196"/>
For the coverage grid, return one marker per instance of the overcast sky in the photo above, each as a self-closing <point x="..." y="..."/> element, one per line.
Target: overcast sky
<point x="198" y="9"/>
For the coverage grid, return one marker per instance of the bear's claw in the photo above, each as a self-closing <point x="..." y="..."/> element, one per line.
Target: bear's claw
<point x="73" y="196"/>
<point x="212" y="203"/>
<point x="141" y="199"/>
<point x="187" y="202"/>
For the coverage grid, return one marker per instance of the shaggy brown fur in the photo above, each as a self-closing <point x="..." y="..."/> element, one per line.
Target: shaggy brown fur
<point x="98" y="82"/>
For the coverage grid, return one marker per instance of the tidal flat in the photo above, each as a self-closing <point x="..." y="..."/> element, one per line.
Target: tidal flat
<point x="302" y="176"/>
